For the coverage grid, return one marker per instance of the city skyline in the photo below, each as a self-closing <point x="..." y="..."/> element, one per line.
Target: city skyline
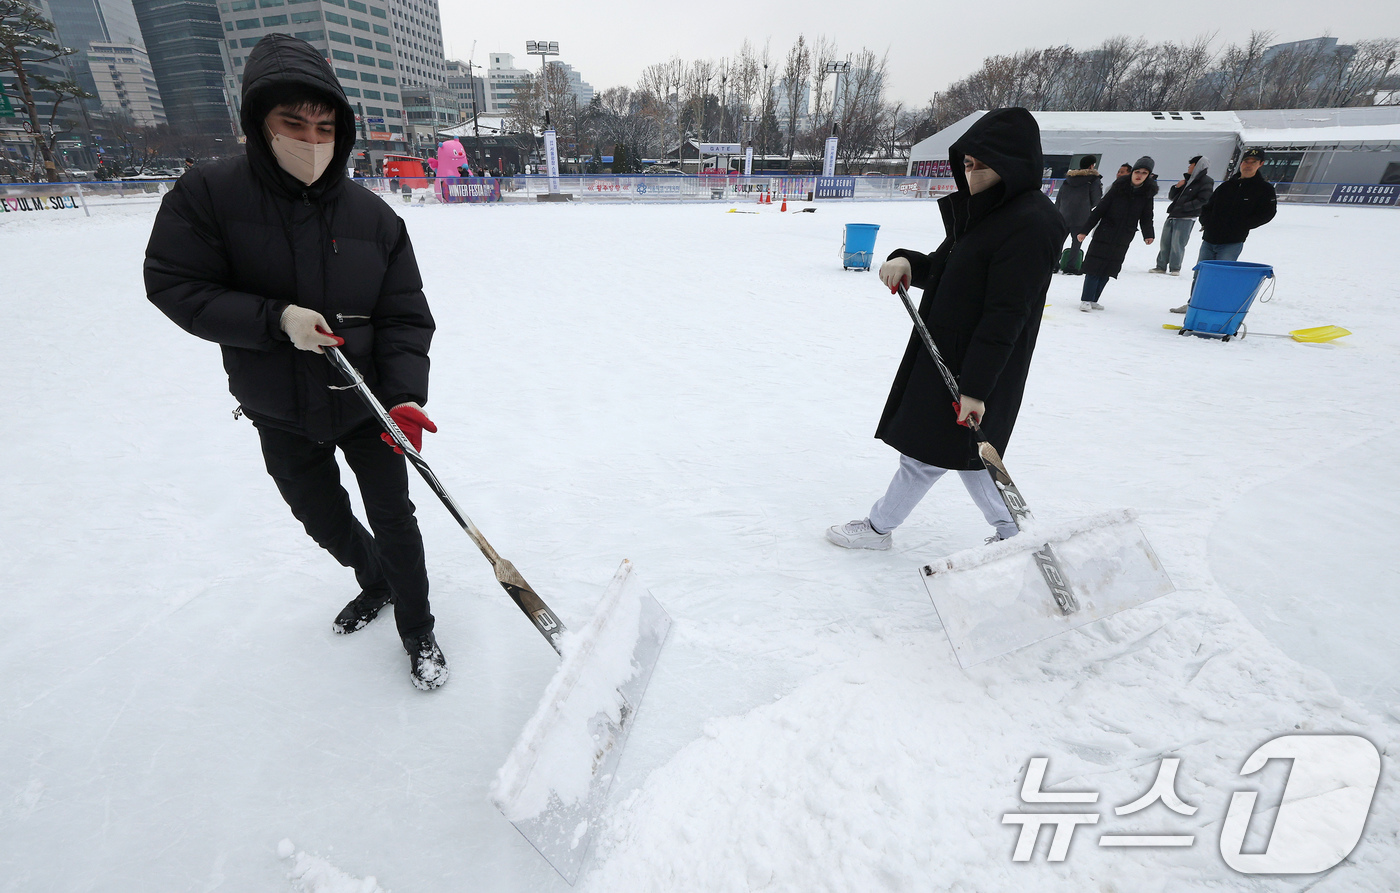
<point x="928" y="49"/>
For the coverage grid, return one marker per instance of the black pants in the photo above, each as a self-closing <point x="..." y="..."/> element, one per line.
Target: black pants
<point x="308" y="478"/>
<point x="1093" y="287"/>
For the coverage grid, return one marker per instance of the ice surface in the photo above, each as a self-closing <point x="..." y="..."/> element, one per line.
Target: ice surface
<point x="695" y="390"/>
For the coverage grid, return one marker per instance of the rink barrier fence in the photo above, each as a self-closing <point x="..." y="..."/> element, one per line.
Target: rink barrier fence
<point x="610" y="189"/>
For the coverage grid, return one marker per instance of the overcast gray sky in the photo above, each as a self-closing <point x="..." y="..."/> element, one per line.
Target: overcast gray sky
<point x="929" y="46"/>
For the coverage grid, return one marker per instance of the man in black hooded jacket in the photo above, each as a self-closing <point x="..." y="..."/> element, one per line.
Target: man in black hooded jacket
<point x="275" y="255"/>
<point x="984" y="292"/>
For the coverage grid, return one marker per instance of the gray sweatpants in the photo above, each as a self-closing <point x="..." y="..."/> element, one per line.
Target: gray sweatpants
<point x="913" y="480"/>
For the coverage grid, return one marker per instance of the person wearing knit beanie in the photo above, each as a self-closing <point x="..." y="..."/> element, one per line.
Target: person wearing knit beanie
<point x="1145" y="163"/>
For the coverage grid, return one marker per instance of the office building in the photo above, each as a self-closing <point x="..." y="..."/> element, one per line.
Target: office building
<point x="184" y="41"/>
<point x="125" y="83"/>
<point x="502" y="81"/>
<point x="81" y="22"/>
<point x="469" y="89"/>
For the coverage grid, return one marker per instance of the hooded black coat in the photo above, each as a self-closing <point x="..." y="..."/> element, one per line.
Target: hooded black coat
<point x="984" y="291"/>
<point x="237" y="240"/>
<point x="1124" y="209"/>
<point x="1079" y="193"/>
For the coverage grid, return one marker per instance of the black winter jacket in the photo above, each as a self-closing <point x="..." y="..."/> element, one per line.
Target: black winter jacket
<point x="1079" y="193"/>
<point x="1124" y="209"/>
<point x="1238" y="206"/>
<point x="984" y="292"/>
<point x="1187" y="201"/>
<point x="238" y="240"/>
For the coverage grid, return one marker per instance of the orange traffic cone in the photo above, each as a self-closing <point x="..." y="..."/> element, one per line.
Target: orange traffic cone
<point x="784" y="207"/>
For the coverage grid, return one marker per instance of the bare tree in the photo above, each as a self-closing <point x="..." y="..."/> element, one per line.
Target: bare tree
<point x="26" y="39"/>
<point x="797" y="73"/>
<point x="863" y="107"/>
<point x="1367" y="72"/>
<point x="824" y="52"/>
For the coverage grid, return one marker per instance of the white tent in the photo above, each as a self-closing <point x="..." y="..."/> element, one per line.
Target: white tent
<point x="1170" y="138"/>
<point x="1349" y="145"/>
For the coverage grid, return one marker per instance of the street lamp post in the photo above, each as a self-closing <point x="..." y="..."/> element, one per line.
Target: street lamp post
<point x="544" y="49"/>
<point x="763" y="118"/>
<point x="838" y="68"/>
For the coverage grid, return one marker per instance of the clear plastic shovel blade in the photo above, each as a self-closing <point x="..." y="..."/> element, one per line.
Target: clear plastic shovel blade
<point x="554" y="785"/>
<point x="993" y="600"/>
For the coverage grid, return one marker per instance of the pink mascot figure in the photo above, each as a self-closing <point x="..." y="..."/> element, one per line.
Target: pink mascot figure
<point x="450" y="157"/>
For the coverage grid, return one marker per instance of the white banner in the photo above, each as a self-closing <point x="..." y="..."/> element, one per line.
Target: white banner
<point x="748" y="162"/>
<point x="551" y="160"/>
<point x="719" y="148"/>
<point x="829" y="163"/>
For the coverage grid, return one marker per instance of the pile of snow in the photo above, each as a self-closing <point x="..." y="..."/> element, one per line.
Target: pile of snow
<point x="312" y="874"/>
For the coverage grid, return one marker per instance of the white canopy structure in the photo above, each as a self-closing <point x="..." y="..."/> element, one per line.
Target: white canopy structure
<point x="1360" y="145"/>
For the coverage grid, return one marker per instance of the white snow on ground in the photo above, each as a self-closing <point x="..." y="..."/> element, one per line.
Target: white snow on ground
<point x="695" y="391"/>
<point x="312" y="874"/>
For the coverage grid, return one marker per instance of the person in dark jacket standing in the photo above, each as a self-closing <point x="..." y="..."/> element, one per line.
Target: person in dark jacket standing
<point x="1244" y="202"/>
<point x="984" y="292"/>
<point x="1188" y="196"/>
<point x="1125" y="207"/>
<point x="260" y="253"/>
<point x="1079" y="193"/>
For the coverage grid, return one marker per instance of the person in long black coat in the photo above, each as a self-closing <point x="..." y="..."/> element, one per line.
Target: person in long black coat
<point x="275" y="255"/>
<point x="1125" y="207"/>
<point x="983" y="295"/>
<point x="1079" y="193"/>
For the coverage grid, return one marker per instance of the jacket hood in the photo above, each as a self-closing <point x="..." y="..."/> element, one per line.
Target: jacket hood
<point x="280" y="60"/>
<point x="1202" y="168"/>
<point x="1084" y="172"/>
<point x="1006" y="140"/>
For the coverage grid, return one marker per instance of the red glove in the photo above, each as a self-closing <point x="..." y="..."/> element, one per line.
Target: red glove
<point x="412" y="422"/>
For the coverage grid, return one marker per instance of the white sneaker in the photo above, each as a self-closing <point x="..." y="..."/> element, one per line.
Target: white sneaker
<point x="1086" y="306"/>
<point x="1174" y="273"/>
<point x="1096" y="305"/>
<point x="858" y="535"/>
<point x="1182" y="309"/>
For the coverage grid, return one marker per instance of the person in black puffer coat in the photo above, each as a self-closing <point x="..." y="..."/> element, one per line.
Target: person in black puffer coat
<point x="1079" y="193"/>
<point x="1125" y="207"/>
<point x="275" y="255"/>
<point x="984" y="293"/>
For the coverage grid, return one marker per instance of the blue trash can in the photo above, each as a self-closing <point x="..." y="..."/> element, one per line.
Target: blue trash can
<point x="1223" y="294"/>
<point x="858" y="245"/>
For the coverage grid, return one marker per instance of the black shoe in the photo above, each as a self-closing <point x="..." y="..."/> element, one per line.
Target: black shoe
<point x="362" y="609"/>
<point x="426" y="664"/>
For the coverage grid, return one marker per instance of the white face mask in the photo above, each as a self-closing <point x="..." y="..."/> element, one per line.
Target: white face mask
<point x="981" y="179"/>
<point x="305" y="161"/>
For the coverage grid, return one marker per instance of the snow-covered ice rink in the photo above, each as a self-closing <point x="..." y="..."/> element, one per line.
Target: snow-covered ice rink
<point x="696" y="391"/>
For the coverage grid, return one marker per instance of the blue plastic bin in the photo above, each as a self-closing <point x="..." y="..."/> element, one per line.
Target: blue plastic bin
<point x="1223" y="294"/>
<point x="858" y="246"/>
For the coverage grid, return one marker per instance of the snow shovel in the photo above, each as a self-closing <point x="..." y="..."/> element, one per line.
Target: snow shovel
<point x="1043" y="582"/>
<point x="556" y="780"/>
<point x="1315" y="335"/>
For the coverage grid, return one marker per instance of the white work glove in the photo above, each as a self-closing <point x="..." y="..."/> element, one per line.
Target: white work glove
<point x="895" y="271"/>
<point x="970" y="406"/>
<point x="301" y="325"/>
